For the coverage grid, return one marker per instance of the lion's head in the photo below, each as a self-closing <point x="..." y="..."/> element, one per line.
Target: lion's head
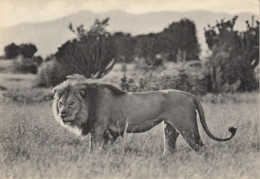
<point x="75" y="102"/>
<point x="70" y="107"/>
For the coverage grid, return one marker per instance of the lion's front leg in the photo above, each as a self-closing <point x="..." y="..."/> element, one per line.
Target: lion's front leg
<point x="98" y="137"/>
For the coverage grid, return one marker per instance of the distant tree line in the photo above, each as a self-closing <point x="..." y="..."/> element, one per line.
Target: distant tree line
<point x="177" y="42"/>
<point x="27" y="62"/>
<point x="26" y="50"/>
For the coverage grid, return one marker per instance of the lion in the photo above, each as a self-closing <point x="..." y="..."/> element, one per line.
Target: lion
<point x="107" y="112"/>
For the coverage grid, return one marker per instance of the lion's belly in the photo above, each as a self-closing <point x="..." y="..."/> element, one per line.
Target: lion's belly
<point x="145" y="126"/>
<point x="131" y="126"/>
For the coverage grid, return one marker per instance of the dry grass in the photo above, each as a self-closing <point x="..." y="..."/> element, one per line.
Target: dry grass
<point x="33" y="145"/>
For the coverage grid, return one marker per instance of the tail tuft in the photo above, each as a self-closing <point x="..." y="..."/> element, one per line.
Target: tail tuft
<point x="232" y="130"/>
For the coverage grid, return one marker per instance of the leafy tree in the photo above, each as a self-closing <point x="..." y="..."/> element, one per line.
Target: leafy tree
<point x="176" y="42"/>
<point x="27" y="50"/>
<point x="146" y="47"/>
<point x="125" y="45"/>
<point x="38" y="60"/>
<point x="181" y="40"/>
<point x="11" y="51"/>
<point x="234" y="56"/>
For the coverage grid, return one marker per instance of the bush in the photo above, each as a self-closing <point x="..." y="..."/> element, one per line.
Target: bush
<point x="50" y="73"/>
<point x="24" y="65"/>
<point x="235" y="55"/>
<point x="188" y="77"/>
<point x="92" y="54"/>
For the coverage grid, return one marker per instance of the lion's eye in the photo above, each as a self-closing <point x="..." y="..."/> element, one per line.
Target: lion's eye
<point x="60" y="104"/>
<point x="71" y="104"/>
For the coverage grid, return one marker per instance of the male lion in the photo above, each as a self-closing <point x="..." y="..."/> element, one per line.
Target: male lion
<point x="107" y="112"/>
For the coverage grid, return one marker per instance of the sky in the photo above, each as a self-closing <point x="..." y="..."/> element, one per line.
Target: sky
<point x="14" y="12"/>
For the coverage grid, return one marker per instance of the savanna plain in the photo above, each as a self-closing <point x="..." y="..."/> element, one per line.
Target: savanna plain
<point x="33" y="145"/>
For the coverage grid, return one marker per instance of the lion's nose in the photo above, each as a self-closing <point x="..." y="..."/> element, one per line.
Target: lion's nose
<point x="63" y="116"/>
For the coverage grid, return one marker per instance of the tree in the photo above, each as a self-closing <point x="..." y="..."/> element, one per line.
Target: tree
<point x="180" y="40"/>
<point x="146" y="47"/>
<point x="27" y="50"/>
<point x="91" y="54"/>
<point x="11" y="51"/>
<point x="125" y="45"/>
<point x="234" y="56"/>
<point x="176" y="42"/>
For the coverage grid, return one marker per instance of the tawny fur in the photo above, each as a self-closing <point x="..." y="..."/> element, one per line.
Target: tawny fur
<point x="103" y="110"/>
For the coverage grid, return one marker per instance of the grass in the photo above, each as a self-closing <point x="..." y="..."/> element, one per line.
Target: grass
<point x="33" y="145"/>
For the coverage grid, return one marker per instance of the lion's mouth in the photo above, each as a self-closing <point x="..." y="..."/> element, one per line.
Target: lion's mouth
<point x="67" y="121"/>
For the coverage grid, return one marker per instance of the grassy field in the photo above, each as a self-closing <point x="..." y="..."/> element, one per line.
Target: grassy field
<point x="33" y="145"/>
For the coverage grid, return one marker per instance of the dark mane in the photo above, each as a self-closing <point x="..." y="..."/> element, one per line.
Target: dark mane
<point x="94" y="83"/>
<point x="98" y="85"/>
<point x="114" y="89"/>
<point x="92" y="96"/>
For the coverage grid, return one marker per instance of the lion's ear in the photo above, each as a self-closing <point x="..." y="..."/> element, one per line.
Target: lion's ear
<point x="86" y="88"/>
<point x="82" y="92"/>
<point x="54" y="91"/>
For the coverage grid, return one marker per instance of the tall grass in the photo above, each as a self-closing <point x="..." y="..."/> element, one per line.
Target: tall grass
<point x="33" y="145"/>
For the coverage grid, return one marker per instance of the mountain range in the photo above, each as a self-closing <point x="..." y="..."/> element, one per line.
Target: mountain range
<point x="50" y="35"/>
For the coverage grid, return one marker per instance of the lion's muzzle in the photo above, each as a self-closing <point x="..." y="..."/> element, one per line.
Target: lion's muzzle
<point x="63" y="116"/>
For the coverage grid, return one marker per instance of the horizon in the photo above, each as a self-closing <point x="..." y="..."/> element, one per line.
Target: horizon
<point x="15" y="12"/>
<point x="118" y="10"/>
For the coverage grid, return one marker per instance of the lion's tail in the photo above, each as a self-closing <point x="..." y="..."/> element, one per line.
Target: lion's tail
<point x="232" y="130"/>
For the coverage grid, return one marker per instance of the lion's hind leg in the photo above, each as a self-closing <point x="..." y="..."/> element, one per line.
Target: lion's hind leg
<point x="171" y="135"/>
<point x="186" y="124"/>
<point x="193" y="139"/>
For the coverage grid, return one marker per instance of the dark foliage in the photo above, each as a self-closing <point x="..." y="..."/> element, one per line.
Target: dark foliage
<point x="188" y="77"/>
<point x="125" y="47"/>
<point x="50" y="73"/>
<point x="11" y="51"/>
<point x="178" y="42"/>
<point x="92" y="54"/>
<point x="26" y="50"/>
<point x="234" y="56"/>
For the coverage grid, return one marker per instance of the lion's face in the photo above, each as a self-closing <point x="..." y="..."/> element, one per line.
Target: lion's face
<point x="70" y="107"/>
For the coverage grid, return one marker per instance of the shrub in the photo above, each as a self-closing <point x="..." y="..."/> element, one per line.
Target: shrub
<point x="92" y="54"/>
<point x="24" y="65"/>
<point x="188" y="77"/>
<point x="50" y="73"/>
<point x="235" y="55"/>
